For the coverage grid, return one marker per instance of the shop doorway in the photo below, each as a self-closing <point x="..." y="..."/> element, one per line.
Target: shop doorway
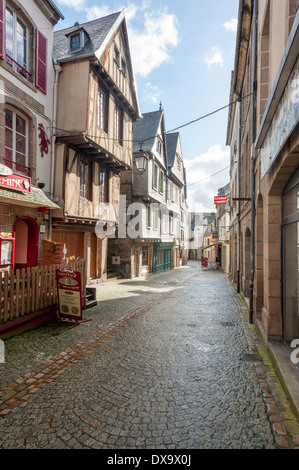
<point x="26" y="232"/>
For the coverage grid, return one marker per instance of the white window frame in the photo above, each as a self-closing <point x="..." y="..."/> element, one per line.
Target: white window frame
<point x="16" y="18"/>
<point x="14" y="137"/>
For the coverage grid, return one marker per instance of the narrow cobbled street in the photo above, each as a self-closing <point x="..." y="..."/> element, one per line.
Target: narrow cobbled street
<point x="167" y="363"/>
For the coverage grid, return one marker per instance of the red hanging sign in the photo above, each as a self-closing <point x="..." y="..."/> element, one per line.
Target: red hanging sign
<point x="220" y="200"/>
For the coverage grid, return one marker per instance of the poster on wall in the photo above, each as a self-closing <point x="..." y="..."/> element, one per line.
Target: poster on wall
<point x="69" y="294"/>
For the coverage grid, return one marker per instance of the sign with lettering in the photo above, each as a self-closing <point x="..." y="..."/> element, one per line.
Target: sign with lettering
<point x="16" y="182"/>
<point x="220" y="200"/>
<point x="69" y="293"/>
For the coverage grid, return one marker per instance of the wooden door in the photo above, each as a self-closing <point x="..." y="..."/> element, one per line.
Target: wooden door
<point x="74" y="242"/>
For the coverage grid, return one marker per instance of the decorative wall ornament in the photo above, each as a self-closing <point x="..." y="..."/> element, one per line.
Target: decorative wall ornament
<point x="44" y="141"/>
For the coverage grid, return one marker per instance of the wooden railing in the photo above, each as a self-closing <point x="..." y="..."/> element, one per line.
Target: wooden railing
<point x="23" y="292"/>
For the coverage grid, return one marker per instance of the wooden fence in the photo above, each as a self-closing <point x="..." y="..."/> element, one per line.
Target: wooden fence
<point x="23" y="292"/>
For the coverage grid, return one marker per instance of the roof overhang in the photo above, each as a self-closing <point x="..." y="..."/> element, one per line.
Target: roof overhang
<point x="89" y="148"/>
<point x="35" y="198"/>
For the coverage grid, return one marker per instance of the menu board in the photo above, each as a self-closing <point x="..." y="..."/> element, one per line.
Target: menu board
<point x="69" y="293"/>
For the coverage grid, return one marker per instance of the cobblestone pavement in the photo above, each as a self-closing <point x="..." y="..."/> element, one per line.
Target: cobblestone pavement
<point x="165" y="363"/>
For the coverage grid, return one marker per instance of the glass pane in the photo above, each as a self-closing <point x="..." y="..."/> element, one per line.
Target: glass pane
<point x="20" y="144"/>
<point x="8" y="156"/>
<point x="291" y="281"/>
<point x="9" y="40"/>
<point x="291" y="204"/>
<point x="8" y="138"/>
<point x="20" y="158"/>
<point x="20" y="125"/>
<point x="6" y="252"/>
<point x="8" y="119"/>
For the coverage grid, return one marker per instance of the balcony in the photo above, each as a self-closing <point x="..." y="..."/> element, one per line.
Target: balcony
<point x="18" y="167"/>
<point x="18" y="68"/>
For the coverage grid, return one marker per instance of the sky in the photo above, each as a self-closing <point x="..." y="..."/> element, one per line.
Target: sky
<point x="183" y="55"/>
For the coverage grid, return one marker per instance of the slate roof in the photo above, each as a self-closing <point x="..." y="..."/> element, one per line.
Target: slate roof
<point x="97" y="30"/>
<point x="172" y="140"/>
<point x="146" y="128"/>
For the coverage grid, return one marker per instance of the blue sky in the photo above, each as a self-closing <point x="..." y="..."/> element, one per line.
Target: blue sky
<point x="183" y="55"/>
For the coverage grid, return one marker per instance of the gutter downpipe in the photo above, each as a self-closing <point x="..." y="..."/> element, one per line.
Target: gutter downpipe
<point x="58" y="69"/>
<point x="239" y="194"/>
<point x="253" y="161"/>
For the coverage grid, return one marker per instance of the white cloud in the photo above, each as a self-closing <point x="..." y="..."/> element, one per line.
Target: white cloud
<point x="151" y="93"/>
<point x="151" y="47"/>
<point x="78" y="5"/>
<point x="151" y="43"/>
<point x="204" y="177"/>
<point x="231" y="25"/>
<point x="214" y="58"/>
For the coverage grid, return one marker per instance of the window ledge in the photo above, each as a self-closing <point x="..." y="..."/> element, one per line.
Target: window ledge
<point x="17" y="75"/>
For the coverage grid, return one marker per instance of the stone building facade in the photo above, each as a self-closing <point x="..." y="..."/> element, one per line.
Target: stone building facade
<point x="27" y="89"/>
<point x="264" y="139"/>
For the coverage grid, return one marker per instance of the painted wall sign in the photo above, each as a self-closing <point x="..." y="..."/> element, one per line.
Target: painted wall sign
<point x="220" y="200"/>
<point x="69" y="294"/>
<point x="16" y="182"/>
<point x="283" y="123"/>
<point x="44" y="141"/>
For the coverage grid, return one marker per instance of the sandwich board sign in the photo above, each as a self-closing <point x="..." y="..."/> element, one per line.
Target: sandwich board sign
<point x="69" y="294"/>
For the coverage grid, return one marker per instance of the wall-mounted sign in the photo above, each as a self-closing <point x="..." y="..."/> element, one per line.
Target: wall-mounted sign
<point x="16" y="182"/>
<point x="220" y="200"/>
<point x="44" y="141"/>
<point x="69" y="294"/>
<point x="5" y="170"/>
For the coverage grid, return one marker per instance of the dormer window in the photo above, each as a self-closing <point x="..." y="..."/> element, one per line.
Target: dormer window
<point x="75" y="41"/>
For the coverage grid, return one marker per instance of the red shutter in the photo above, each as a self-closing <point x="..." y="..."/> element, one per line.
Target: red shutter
<point x="41" y="62"/>
<point x="2" y="29"/>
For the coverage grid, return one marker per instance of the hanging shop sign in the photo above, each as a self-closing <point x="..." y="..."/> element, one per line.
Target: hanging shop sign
<point x="69" y="294"/>
<point x="220" y="200"/>
<point x="16" y="182"/>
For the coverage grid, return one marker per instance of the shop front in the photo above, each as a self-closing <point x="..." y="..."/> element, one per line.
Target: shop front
<point x="162" y="257"/>
<point x="290" y="230"/>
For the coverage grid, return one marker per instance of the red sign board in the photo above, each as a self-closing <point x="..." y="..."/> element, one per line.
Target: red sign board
<point x="16" y="182"/>
<point x="220" y="200"/>
<point x="69" y="293"/>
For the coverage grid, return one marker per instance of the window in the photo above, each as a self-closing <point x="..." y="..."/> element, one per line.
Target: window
<point x="117" y="56"/>
<point x="149" y="216"/>
<point x="16" y="141"/>
<point x="156" y="218"/>
<point x="159" y="146"/>
<point x="118" y="125"/>
<point x="102" y="110"/>
<point x="104" y="185"/>
<point x="178" y="164"/>
<point x="161" y="182"/>
<point x="123" y="66"/>
<point x="16" y="43"/>
<point x="155" y="176"/>
<point x="75" y="41"/>
<point x="86" y="179"/>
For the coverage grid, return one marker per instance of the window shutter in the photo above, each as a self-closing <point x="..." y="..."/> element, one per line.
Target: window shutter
<point x="2" y="29"/>
<point x="41" y="62"/>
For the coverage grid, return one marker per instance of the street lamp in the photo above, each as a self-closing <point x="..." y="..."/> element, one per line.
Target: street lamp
<point x="140" y="160"/>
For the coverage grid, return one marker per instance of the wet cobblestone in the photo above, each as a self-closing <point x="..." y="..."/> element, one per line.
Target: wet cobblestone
<point x="160" y="364"/>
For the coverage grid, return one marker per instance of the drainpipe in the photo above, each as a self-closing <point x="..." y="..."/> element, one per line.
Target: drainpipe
<point x="55" y="96"/>
<point x="239" y="194"/>
<point x="253" y="160"/>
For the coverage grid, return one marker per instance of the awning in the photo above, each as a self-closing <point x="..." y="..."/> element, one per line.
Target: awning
<point x="35" y="198"/>
<point x="214" y="244"/>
